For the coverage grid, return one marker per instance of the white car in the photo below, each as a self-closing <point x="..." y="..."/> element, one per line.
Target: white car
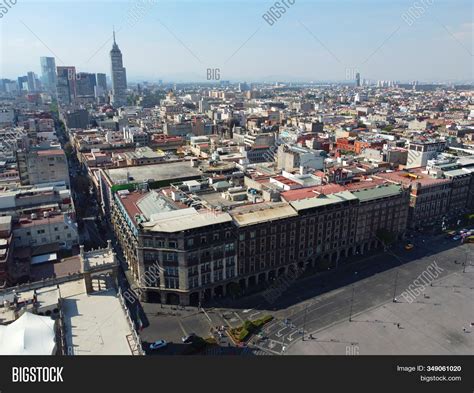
<point x="158" y="344"/>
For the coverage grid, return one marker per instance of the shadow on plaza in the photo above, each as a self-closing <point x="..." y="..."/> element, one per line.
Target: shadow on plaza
<point x="313" y="283"/>
<point x="180" y="349"/>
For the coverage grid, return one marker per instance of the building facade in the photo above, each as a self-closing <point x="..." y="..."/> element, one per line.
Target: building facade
<point x="204" y="254"/>
<point x="48" y="73"/>
<point x="119" y="77"/>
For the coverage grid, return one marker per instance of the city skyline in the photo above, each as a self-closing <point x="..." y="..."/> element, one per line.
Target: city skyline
<point x="177" y="46"/>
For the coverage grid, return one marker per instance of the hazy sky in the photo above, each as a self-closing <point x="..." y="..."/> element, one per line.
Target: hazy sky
<point x="178" y="40"/>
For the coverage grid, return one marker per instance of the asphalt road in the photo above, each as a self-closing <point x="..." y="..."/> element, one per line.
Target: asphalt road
<point x="368" y="285"/>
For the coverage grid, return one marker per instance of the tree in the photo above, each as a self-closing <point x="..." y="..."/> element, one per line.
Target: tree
<point x="470" y="217"/>
<point x="68" y="149"/>
<point x="81" y="184"/>
<point x="386" y="237"/>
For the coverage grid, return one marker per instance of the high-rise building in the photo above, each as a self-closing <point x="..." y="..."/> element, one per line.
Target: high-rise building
<point x="43" y="166"/>
<point x="101" y="87"/>
<point x="119" y="76"/>
<point x="48" y="73"/>
<point x="358" y="79"/>
<point x="85" y="84"/>
<point x="23" y="82"/>
<point x="66" y="84"/>
<point x="33" y="82"/>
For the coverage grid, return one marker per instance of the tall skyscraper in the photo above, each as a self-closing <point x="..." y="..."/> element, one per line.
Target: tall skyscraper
<point x="101" y="87"/>
<point x="48" y="73"/>
<point x="119" y="77"/>
<point x="102" y="81"/>
<point x="66" y="84"/>
<point x="33" y="82"/>
<point x="358" y="79"/>
<point x="23" y="83"/>
<point x="85" y="84"/>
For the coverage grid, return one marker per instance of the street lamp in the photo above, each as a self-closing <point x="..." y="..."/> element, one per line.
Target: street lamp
<point x="304" y="320"/>
<point x="352" y="303"/>
<point x="395" y="287"/>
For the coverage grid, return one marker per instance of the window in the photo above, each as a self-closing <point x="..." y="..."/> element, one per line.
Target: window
<point x="230" y="272"/>
<point x="172" y="244"/>
<point x="190" y="242"/>
<point x="193" y="282"/>
<point x="172" y="283"/>
<point x="171" y="271"/>
<point x="218" y="275"/>
<point x="148" y="242"/>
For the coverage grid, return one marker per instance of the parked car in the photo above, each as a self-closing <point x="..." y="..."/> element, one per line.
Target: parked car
<point x="450" y="234"/>
<point x="188" y="339"/>
<point x="457" y="237"/>
<point x="158" y="345"/>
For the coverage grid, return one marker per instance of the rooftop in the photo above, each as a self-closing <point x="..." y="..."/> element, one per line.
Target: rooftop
<point x="97" y="323"/>
<point x="377" y="192"/>
<point x="411" y="177"/>
<point x="156" y="172"/>
<point x="323" y="200"/>
<point x="256" y="214"/>
<point x="184" y="219"/>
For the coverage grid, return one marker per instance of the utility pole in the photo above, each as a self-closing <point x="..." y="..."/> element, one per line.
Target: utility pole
<point x="304" y="320"/>
<point x="395" y="287"/>
<point x="465" y="264"/>
<point x="352" y="303"/>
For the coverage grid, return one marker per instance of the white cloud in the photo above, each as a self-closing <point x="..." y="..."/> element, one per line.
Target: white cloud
<point x="464" y="32"/>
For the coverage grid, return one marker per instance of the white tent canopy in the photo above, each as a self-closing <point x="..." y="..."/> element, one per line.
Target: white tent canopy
<point x="30" y="334"/>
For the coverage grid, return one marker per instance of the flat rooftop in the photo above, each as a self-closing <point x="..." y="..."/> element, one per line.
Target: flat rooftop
<point x="377" y="192"/>
<point x="96" y="323"/>
<point x="323" y="200"/>
<point x="157" y="172"/>
<point x="184" y="219"/>
<point x="256" y="214"/>
<point x="215" y="199"/>
<point x="412" y="176"/>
